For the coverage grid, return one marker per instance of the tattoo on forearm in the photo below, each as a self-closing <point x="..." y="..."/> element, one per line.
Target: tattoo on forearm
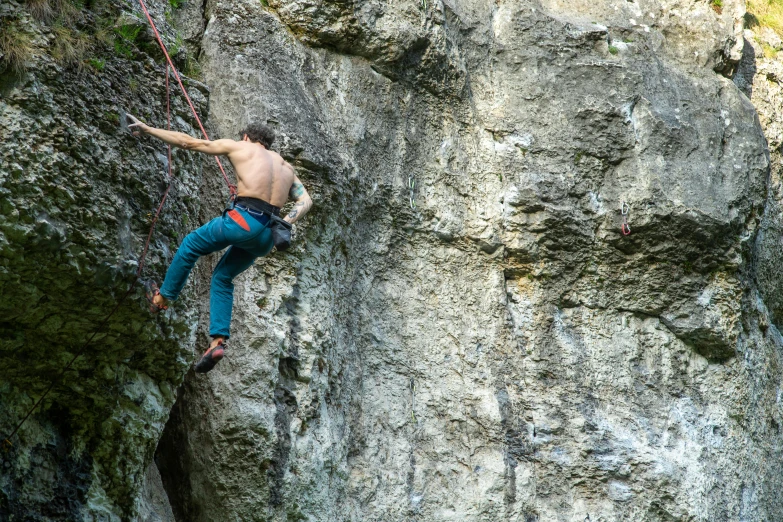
<point x="299" y="210"/>
<point x="297" y="189"/>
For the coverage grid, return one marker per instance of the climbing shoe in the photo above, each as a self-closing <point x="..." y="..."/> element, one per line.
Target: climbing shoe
<point x="211" y="357"/>
<point x="152" y="291"/>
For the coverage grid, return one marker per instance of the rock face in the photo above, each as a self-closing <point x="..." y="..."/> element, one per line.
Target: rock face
<point x="77" y="194"/>
<point x="462" y="332"/>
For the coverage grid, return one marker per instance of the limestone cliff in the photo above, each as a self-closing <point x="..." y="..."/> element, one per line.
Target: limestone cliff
<point x="461" y="331"/>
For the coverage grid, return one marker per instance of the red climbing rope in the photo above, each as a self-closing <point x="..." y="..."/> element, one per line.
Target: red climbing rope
<point x="231" y="187"/>
<point x="6" y="443"/>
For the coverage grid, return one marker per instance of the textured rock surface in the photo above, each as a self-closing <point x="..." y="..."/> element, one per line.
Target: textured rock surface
<point x="77" y="194"/>
<point x="497" y="351"/>
<point x="500" y="352"/>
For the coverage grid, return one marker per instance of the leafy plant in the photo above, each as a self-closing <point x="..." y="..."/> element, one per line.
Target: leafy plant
<point x="176" y="4"/>
<point x="128" y="32"/>
<point x="122" y="48"/>
<point x="97" y="63"/>
<point x="125" y="36"/>
<point x="717" y="6"/>
<point x="613" y="49"/>
<point x="16" y="47"/>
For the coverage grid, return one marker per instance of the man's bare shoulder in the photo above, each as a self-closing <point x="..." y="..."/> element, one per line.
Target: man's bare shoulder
<point x="277" y="158"/>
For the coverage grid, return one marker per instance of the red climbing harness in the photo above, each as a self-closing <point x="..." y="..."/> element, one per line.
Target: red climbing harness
<point x="6" y="443"/>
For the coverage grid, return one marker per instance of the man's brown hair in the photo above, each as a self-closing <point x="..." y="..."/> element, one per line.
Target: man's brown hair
<point x="259" y="133"/>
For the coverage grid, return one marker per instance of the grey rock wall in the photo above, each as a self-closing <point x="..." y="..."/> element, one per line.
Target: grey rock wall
<point x="461" y="331"/>
<point x="499" y="350"/>
<point x="77" y="194"/>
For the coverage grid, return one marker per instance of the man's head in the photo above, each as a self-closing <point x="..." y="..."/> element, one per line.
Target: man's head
<point x="258" y="133"/>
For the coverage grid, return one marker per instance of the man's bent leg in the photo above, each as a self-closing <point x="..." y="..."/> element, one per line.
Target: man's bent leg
<point x="221" y="293"/>
<point x="202" y="241"/>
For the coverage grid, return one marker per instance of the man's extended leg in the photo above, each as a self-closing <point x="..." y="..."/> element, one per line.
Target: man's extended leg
<point x="221" y="295"/>
<point x="202" y="241"/>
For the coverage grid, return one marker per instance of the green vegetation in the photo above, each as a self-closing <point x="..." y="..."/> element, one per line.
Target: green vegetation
<point x="97" y="63"/>
<point x="613" y="49"/>
<point x="47" y="11"/>
<point x="112" y="117"/>
<point x="70" y="46"/>
<point x="768" y="50"/>
<point x="175" y="47"/>
<point x="192" y="68"/>
<point x="766" y="14"/>
<point x="85" y="33"/>
<point x="125" y="38"/>
<point x="16" y="46"/>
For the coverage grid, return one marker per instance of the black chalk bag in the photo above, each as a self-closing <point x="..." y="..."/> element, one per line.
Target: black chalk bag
<point x="281" y="233"/>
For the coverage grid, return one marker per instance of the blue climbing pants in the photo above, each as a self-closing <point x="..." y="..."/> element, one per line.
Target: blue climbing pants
<point x="247" y="237"/>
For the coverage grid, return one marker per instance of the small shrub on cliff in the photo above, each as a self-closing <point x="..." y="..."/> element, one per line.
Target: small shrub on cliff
<point x="124" y="41"/>
<point x="16" y="47"/>
<point x="96" y="63"/>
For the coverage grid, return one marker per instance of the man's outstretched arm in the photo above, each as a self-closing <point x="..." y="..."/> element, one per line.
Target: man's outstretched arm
<point x="182" y="140"/>
<point x="302" y="199"/>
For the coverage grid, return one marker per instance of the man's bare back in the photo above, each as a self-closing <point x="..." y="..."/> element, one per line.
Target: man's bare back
<point x="261" y="173"/>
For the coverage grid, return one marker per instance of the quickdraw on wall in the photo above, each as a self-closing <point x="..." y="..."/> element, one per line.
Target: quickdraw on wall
<point x="625" y="227"/>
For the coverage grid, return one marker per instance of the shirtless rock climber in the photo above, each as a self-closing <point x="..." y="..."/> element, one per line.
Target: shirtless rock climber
<point x="265" y="181"/>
